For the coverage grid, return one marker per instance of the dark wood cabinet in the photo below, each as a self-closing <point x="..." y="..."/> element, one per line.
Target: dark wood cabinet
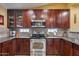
<point x="57" y="49"/>
<point x="51" y="20"/>
<point x="67" y="48"/>
<point x="7" y="48"/>
<point x="11" y="19"/>
<point x="38" y="14"/>
<point x="58" y="18"/>
<point x="63" y="17"/>
<point x="75" y="50"/>
<point x="22" y="47"/>
<point x="53" y="46"/>
<point x="26" y="19"/>
<point x="15" y="47"/>
<point x="18" y="18"/>
<point x="49" y="47"/>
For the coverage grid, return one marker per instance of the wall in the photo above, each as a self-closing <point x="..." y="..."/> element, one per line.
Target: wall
<point x="74" y="26"/>
<point x="54" y="6"/>
<point x="3" y="11"/>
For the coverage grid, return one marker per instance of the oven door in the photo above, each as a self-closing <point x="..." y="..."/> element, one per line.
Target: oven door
<point x="38" y="47"/>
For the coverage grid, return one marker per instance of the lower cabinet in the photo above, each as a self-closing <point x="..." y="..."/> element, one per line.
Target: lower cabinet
<point x="58" y="47"/>
<point x="7" y="48"/>
<point x="53" y="46"/>
<point x="22" y="47"/>
<point x="67" y="48"/>
<point x="15" y="47"/>
<point x="75" y="50"/>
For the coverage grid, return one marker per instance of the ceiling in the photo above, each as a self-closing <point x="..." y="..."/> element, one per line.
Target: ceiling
<point x="21" y="5"/>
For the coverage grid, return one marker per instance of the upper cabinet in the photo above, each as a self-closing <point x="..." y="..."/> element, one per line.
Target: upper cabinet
<point x="11" y="19"/>
<point x="58" y="18"/>
<point x="54" y="18"/>
<point x="19" y="18"/>
<point x="63" y="20"/>
<point x="51" y="20"/>
<point x="26" y="19"/>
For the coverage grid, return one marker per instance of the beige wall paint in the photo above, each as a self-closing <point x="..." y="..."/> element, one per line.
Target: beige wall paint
<point x="54" y="6"/>
<point x="3" y="11"/>
<point x="74" y="27"/>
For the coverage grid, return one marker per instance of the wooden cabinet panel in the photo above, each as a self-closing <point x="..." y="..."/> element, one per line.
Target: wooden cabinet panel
<point x="67" y="48"/>
<point x="57" y="45"/>
<point x="7" y="48"/>
<point x="15" y="47"/>
<point x="75" y="50"/>
<point x="61" y="47"/>
<point x="53" y="46"/>
<point x="49" y="47"/>
<point x="38" y="13"/>
<point x="22" y="47"/>
<point x="65" y="19"/>
<point x="51" y="20"/>
<point x="11" y="18"/>
<point x="59" y="18"/>
<point x="26" y="19"/>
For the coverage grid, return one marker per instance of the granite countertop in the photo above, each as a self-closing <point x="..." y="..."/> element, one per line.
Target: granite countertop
<point x="2" y="39"/>
<point x="65" y="38"/>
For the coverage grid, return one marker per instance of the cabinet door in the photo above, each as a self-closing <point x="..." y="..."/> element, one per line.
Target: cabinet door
<point x="57" y="46"/>
<point x="61" y="47"/>
<point x="26" y="19"/>
<point x="22" y="47"/>
<point x="7" y="48"/>
<point x="48" y="20"/>
<point x="11" y="18"/>
<point x="38" y="14"/>
<point x="49" y="47"/>
<point x="67" y="48"/>
<point x="65" y="19"/>
<point x="26" y="47"/>
<point x="53" y="46"/>
<point x="51" y="21"/>
<point x="75" y="50"/>
<point x="59" y="18"/>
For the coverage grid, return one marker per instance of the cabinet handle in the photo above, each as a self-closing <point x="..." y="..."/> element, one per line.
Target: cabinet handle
<point x="75" y="19"/>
